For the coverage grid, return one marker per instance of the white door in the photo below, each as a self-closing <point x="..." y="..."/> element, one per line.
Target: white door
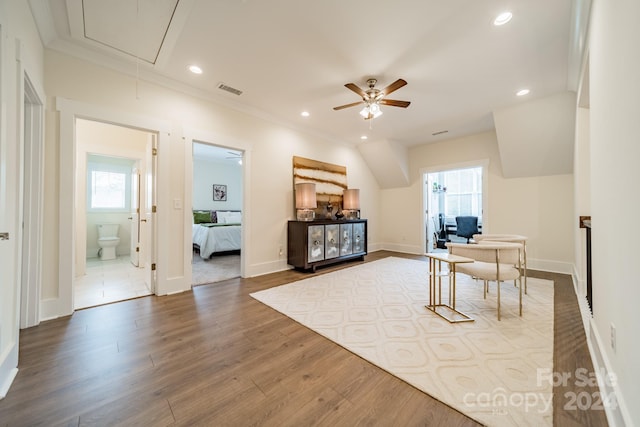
<point x="148" y="220"/>
<point x="134" y="217"/>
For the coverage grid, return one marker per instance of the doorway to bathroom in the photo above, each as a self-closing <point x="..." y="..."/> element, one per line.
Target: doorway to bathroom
<point x="113" y="189"/>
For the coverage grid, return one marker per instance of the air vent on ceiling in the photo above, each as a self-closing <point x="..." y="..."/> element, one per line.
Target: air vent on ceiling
<point x="439" y="133"/>
<point x="229" y="89"/>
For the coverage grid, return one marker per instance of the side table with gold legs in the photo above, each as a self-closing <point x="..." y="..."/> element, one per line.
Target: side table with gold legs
<point x="447" y="310"/>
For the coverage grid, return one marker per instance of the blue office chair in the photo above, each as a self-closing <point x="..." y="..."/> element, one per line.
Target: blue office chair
<point x="466" y="226"/>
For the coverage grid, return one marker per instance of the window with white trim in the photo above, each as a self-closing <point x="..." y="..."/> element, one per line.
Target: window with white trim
<point x="108" y="184"/>
<point x="463" y="194"/>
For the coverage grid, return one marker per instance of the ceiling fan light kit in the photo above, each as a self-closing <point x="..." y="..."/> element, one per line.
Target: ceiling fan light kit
<point x="373" y="98"/>
<point x="372" y="109"/>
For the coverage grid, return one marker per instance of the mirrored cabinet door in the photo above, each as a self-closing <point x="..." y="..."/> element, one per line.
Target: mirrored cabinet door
<point x="332" y="241"/>
<point x="316" y="243"/>
<point x="358" y="237"/>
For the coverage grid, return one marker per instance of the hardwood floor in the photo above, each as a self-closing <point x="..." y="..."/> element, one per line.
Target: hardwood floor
<point x="216" y="356"/>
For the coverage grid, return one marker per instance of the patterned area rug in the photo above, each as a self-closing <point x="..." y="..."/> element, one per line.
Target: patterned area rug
<point x="215" y="269"/>
<point x="493" y="371"/>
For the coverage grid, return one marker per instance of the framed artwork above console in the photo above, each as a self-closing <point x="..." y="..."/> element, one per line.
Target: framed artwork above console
<point x="330" y="181"/>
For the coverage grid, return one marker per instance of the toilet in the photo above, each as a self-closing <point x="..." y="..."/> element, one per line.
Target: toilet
<point x="108" y="240"/>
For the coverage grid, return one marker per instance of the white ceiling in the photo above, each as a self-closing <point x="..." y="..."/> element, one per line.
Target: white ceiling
<point x="287" y="56"/>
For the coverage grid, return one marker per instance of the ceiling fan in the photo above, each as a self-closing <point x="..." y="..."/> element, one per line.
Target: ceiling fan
<point x="373" y="98"/>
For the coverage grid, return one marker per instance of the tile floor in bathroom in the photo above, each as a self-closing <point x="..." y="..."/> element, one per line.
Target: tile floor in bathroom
<point x="109" y="281"/>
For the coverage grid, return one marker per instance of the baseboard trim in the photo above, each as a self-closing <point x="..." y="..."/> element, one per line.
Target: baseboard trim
<point x="49" y="309"/>
<point x="617" y="414"/>
<point x="403" y="248"/>
<point x="267" y="268"/>
<point x="550" y="266"/>
<point x="8" y="368"/>
<point x="609" y="391"/>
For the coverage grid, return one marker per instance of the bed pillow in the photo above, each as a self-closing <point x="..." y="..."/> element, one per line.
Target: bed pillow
<point x="200" y="217"/>
<point x="226" y="217"/>
<point x="233" y="218"/>
<point x="221" y="217"/>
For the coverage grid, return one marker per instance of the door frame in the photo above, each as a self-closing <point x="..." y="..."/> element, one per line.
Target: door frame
<point x="202" y="137"/>
<point x="68" y="111"/>
<point x="425" y="227"/>
<point x="32" y="196"/>
<point x="81" y="188"/>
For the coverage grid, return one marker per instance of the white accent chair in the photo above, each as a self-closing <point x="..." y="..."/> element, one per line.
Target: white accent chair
<point x="495" y="261"/>
<point x="513" y="238"/>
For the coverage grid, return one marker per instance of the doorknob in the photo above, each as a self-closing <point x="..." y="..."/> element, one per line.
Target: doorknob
<point x="4" y="236"/>
<point x="143" y="220"/>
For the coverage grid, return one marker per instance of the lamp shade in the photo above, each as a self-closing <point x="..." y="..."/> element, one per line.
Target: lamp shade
<point x="306" y="196"/>
<point x="351" y="199"/>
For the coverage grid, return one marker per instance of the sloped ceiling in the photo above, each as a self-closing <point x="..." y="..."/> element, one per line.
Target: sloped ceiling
<point x="536" y="138"/>
<point x="389" y="162"/>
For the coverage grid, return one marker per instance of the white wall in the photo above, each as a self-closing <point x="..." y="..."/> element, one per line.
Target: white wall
<point x="270" y="150"/>
<point x="207" y="172"/>
<point x="21" y="54"/>
<point x="615" y="174"/>
<point x="540" y="208"/>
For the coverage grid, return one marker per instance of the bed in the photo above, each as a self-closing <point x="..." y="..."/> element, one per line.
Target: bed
<point x="222" y="232"/>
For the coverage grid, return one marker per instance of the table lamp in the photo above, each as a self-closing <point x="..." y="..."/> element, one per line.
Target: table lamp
<point x="305" y="201"/>
<point x="351" y="203"/>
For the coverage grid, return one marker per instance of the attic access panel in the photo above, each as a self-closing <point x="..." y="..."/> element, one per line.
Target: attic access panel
<point x="137" y="28"/>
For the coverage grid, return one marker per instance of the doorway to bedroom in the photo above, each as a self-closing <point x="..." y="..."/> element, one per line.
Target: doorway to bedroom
<point x="217" y="213"/>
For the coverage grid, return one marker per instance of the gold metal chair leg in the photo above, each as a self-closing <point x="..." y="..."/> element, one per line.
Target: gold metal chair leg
<point x="498" y="284"/>
<point x="520" y="292"/>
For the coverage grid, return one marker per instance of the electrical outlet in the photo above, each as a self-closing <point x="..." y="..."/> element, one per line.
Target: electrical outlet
<point x="280" y="251"/>
<point x="613" y="337"/>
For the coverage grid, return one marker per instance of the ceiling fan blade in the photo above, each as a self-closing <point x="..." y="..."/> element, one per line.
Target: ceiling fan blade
<point x="356" y="89"/>
<point x="353" y="104"/>
<point x="394" y="86"/>
<point x="395" y="103"/>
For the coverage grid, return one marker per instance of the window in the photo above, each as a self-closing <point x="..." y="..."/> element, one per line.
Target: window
<point x="109" y="184"/>
<point x="463" y="193"/>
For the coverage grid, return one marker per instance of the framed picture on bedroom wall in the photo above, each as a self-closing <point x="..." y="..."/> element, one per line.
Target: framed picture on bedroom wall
<point x="219" y="193"/>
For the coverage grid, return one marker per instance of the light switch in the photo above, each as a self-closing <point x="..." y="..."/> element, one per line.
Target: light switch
<point x="177" y="204"/>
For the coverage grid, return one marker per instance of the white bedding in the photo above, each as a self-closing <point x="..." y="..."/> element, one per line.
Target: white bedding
<point x="219" y="238"/>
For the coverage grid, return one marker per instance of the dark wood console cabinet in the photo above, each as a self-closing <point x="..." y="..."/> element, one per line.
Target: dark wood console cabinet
<point x="311" y="244"/>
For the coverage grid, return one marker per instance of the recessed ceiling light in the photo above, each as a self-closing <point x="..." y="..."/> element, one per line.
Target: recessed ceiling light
<point x="305" y="114"/>
<point x="195" y="69"/>
<point x="503" y="18"/>
<point x="522" y="92"/>
<point x="364" y="137"/>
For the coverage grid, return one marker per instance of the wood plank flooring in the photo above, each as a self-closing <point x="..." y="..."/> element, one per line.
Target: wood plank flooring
<point x="217" y="357"/>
